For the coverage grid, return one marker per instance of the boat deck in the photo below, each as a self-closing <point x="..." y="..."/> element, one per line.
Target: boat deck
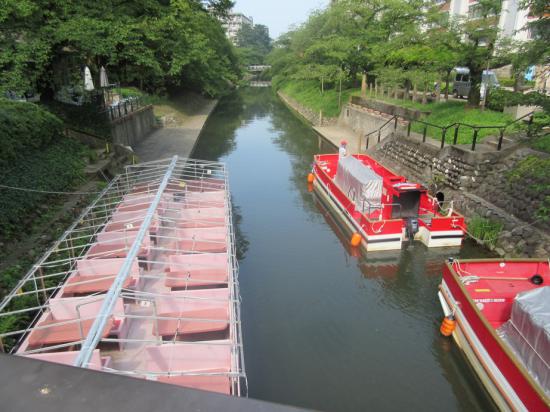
<point x="145" y="282"/>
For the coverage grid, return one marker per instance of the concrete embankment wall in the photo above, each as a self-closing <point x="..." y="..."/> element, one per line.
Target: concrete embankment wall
<point x="314" y="118"/>
<point x="130" y="130"/>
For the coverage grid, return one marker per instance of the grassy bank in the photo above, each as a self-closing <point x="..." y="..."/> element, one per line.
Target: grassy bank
<point x="443" y="113"/>
<point x="309" y="94"/>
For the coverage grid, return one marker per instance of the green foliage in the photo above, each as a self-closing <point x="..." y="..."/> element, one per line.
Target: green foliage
<point x="395" y="43"/>
<point x="542" y="143"/>
<point x="23" y="127"/>
<point x="253" y="44"/>
<point x="56" y="167"/>
<point x="533" y="173"/>
<point x="447" y="113"/>
<point x="498" y="99"/>
<point x="485" y="230"/>
<point x="533" y="168"/>
<point x="506" y="82"/>
<point x="87" y="118"/>
<point x="308" y="94"/>
<point x="156" y="45"/>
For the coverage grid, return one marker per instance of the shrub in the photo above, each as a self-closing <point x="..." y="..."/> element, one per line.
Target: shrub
<point x="498" y="99"/>
<point x="23" y="127"/>
<point x="54" y="168"/>
<point x="484" y="230"/>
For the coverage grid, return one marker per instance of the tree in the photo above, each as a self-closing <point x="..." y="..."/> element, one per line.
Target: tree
<point x="254" y="43"/>
<point x="155" y="44"/>
<point x="479" y="32"/>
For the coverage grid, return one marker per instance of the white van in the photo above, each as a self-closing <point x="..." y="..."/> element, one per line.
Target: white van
<point x="462" y="82"/>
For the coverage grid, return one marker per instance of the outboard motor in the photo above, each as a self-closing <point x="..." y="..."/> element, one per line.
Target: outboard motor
<point x="412" y="228"/>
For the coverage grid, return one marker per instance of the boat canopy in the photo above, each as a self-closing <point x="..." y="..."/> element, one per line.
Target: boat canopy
<point x="527" y="333"/>
<point x="360" y="183"/>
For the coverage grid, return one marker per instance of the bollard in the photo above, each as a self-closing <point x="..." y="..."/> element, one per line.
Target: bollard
<point x="424" y="133"/>
<point x="409" y="129"/>
<point x="395" y="124"/>
<point x="474" y="140"/>
<point x="379" y="135"/>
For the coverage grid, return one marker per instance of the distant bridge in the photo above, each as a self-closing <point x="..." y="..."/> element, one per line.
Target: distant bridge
<point x="258" y="68"/>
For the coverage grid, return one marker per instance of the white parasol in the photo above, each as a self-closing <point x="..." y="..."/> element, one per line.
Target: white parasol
<point x="103" y="81"/>
<point x="88" y="82"/>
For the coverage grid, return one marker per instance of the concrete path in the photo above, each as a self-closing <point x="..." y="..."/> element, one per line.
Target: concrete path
<point x="335" y="134"/>
<point x="180" y="140"/>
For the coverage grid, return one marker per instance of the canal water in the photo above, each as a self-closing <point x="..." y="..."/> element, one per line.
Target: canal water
<point x="325" y="329"/>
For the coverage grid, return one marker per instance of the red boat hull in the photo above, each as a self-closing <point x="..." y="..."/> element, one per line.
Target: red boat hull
<point x="505" y="378"/>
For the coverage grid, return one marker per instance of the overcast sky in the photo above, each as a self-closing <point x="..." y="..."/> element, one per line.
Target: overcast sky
<point x="278" y="15"/>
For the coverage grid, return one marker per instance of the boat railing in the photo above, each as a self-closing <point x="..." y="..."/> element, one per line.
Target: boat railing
<point x="372" y="207"/>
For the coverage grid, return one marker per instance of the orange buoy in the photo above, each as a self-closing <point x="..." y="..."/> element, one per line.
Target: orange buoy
<point x="355" y="239"/>
<point x="448" y="326"/>
<point x="310" y="178"/>
<point x="310" y="187"/>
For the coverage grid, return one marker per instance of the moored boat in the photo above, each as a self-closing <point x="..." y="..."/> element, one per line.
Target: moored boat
<point x="382" y="208"/>
<point x="498" y="312"/>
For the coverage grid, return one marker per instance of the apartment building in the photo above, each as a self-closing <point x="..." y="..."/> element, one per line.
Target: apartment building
<point x="511" y="20"/>
<point x="234" y="23"/>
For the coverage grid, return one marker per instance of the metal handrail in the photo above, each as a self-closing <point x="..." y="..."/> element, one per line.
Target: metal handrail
<point x="379" y="130"/>
<point x="476" y="128"/>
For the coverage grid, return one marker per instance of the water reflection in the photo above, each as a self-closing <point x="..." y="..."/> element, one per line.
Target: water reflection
<point x="325" y="326"/>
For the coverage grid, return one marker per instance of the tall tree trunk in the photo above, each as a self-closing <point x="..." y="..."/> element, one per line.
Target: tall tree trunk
<point x="517" y="80"/>
<point x="425" y="94"/>
<point x="364" y="85"/>
<point x="474" y="96"/>
<point x="447" y="80"/>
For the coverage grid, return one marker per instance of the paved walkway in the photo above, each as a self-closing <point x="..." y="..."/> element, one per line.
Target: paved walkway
<point x="179" y="140"/>
<point x="335" y="134"/>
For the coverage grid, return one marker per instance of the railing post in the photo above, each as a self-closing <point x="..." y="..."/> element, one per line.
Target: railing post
<point x="501" y="137"/>
<point x="409" y="129"/>
<point x="119" y="113"/>
<point x="474" y="140"/>
<point x="424" y="133"/>
<point x="367" y="147"/>
<point x="529" y="124"/>
<point x="395" y="124"/>
<point x="443" y="133"/>
<point x="379" y="135"/>
<point x="455" y="138"/>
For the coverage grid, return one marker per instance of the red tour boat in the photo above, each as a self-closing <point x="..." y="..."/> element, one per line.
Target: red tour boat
<point x="381" y="208"/>
<point x="498" y="312"/>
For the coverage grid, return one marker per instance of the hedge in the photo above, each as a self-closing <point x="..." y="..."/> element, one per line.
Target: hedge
<point x="498" y="99"/>
<point x="25" y="127"/>
<point x="57" y="167"/>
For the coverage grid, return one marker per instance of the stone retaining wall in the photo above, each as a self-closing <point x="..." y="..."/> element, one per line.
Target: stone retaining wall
<point x="451" y="166"/>
<point x="480" y="185"/>
<point x="389" y="108"/>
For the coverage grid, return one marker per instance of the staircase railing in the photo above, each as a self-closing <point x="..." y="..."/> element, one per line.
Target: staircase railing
<point x="476" y="128"/>
<point x="379" y="130"/>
